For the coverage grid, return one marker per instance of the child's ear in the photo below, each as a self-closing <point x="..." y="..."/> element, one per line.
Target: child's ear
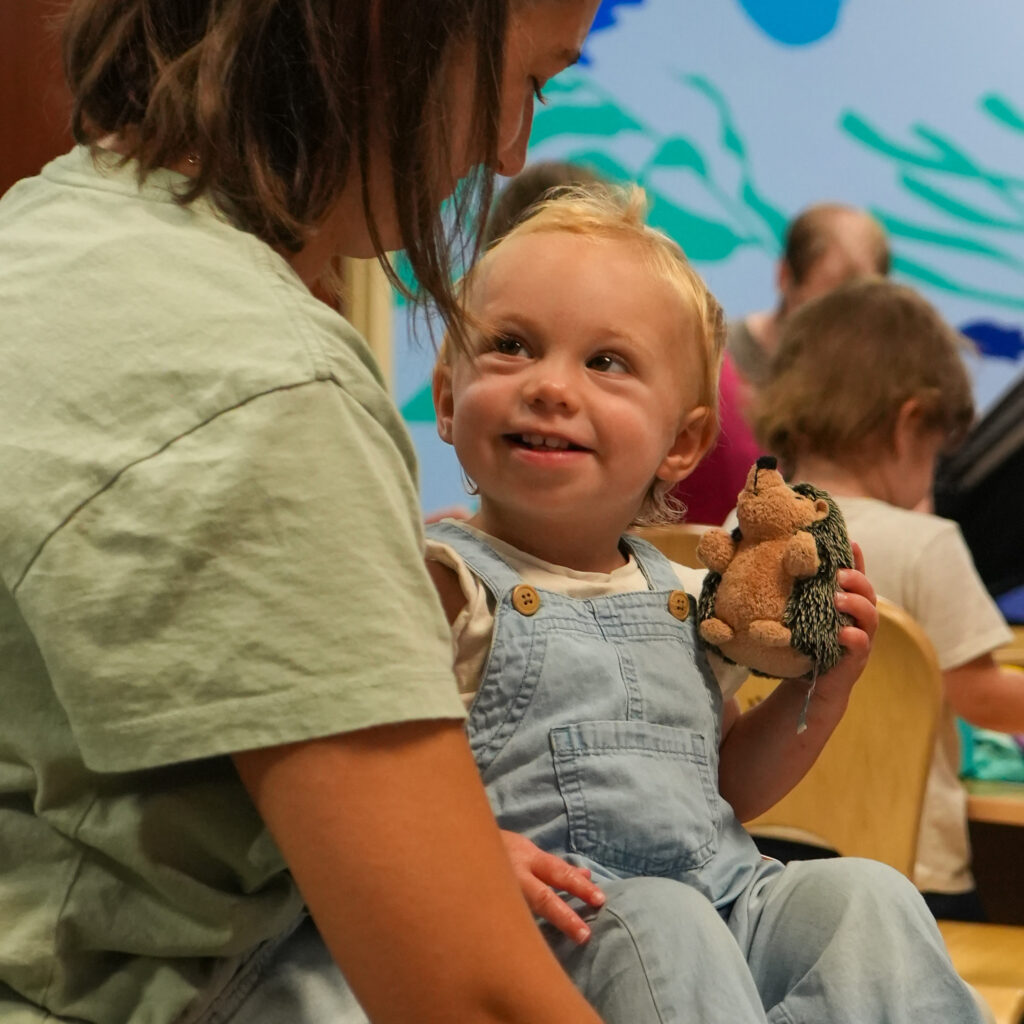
<point x="907" y="428"/>
<point x="444" y="404"/>
<point x="695" y="436"/>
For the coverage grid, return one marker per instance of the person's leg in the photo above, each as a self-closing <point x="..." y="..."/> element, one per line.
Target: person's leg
<point x="847" y="941"/>
<point x="293" y="981"/>
<point x="659" y="953"/>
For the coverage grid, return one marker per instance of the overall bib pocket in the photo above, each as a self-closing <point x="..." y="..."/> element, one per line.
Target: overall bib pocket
<point x="640" y="798"/>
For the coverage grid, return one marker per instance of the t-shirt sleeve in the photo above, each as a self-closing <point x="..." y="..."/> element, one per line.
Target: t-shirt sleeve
<point x="949" y="600"/>
<point x="259" y="580"/>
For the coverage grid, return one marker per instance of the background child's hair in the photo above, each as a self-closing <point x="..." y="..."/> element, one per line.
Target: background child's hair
<point x="529" y="187"/>
<point x="279" y="101"/>
<point x="603" y="211"/>
<point x="845" y="365"/>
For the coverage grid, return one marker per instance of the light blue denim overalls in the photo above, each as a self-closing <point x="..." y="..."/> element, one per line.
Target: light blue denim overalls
<point x="596" y="730"/>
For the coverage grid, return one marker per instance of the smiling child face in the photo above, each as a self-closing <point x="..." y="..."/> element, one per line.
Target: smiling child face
<point x="583" y="390"/>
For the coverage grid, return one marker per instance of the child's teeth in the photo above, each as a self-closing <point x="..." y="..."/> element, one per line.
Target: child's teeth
<point x="540" y="441"/>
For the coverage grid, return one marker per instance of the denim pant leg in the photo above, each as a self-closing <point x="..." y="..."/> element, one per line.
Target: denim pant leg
<point x="847" y="941"/>
<point x="293" y="981"/>
<point x="660" y="953"/>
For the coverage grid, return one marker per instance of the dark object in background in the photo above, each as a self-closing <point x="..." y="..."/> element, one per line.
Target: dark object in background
<point x="981" y="486"/>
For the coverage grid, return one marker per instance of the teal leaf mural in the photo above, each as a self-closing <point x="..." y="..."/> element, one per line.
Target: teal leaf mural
<point x="969" y="210"/>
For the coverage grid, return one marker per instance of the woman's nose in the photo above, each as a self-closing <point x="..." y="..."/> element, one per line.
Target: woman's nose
<point x="512" y="149"/>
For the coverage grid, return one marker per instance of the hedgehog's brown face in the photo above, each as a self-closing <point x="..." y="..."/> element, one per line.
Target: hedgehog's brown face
<point x="768" y="507"/>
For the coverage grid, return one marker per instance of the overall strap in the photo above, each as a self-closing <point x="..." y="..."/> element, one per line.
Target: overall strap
<point x="657" y="569"/>
<point x="483" y="561"/>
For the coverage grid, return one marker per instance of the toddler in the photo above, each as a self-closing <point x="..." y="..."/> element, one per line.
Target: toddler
<point x="613" y="753"/>
<point x="868" y="387"/>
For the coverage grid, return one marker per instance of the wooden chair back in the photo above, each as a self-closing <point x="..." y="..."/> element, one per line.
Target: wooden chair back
<point x="864" y="794"/>
<point x="677" y="542"/>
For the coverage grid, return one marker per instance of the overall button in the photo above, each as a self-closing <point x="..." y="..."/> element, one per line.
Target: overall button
<point x="679" y="604"/>
<point x="526" y="600"/>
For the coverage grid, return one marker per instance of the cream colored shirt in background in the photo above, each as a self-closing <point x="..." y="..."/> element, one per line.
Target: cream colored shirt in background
<point x="921" y="563"/>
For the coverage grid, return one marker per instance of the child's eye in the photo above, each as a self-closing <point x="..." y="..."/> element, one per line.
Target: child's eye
<point x="538" y="91"/>
<point x="508" y="345"/>
<point x="605" y="363"/>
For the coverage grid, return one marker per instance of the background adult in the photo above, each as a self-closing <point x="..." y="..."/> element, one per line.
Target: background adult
<point x="825" y="245"/>
<point x="226" y="677"/>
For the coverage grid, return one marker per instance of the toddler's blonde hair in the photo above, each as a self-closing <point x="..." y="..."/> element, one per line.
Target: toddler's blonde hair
<point x="847" y="362"/>
<point x="619" y="214"/>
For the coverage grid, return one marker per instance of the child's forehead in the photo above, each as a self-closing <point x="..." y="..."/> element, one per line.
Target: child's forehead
<point x="547" y="256"/>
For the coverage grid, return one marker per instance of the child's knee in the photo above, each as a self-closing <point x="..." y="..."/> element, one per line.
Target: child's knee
<point x="660" y="912"/>
<point x="659" y="950"/>
<point x="845" y="883"/>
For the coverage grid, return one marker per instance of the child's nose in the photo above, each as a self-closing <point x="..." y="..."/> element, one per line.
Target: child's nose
<point x="549" y="391"/>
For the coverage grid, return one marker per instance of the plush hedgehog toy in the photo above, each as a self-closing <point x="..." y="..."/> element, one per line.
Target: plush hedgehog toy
<point x="768" y="601"/>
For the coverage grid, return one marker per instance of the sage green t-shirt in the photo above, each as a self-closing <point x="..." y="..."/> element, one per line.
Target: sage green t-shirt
<point x="209" y="541"/>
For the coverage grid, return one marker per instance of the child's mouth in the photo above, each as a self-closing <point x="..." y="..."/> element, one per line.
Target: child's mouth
<point x="540" y="442"/>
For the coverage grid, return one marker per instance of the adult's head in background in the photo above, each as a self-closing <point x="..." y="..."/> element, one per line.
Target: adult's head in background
<point x="325" y="128"/>
<point x="825" y="246"/>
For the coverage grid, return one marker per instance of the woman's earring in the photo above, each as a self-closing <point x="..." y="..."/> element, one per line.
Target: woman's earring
<point x="467" y="484"/>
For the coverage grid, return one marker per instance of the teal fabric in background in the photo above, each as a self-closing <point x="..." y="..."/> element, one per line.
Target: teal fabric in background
<point x="985" y="754"/>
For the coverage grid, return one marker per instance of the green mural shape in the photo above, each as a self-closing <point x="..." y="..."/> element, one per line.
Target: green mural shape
<point x="420" y="407"/>
<point x="897" y="227"/>
<point x="709" y="233"/>
<point x="1001" y="110"/>
<point x="973" y="209"/>
<point x="600" y="119"/>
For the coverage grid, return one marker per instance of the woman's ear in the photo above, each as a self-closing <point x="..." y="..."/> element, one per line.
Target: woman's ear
<point x="695" y="437"/>
<point x="444" y="404"/>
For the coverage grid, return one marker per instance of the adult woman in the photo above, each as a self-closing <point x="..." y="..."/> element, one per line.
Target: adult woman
<point x="202" y="514"/>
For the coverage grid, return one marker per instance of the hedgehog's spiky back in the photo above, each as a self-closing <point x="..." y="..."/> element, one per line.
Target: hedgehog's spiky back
<point x="811" y="612"/>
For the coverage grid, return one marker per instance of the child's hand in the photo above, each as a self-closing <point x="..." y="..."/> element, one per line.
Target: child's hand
<point x="856" y="599"/>
<point x="540" y="873"/>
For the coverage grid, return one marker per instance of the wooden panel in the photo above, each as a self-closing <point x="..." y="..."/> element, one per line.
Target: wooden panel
<point x="986" y="954"/>
<point x="1006" y="1004"/>
<point x="34" y="101"/>
<point x="999" y="803"/>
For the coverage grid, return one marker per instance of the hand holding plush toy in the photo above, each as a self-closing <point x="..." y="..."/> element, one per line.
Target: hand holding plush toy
<point x="768" y="601"/>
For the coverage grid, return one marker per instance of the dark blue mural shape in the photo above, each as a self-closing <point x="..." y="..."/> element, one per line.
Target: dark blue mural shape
<point x="794" y="22"/>
<point x="993" y="340"/>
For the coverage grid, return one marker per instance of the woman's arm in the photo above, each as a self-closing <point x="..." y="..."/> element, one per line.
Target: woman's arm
<point x="391" y="841"/>
<point x="987" y="695"/>
<point x="762" y="755"/>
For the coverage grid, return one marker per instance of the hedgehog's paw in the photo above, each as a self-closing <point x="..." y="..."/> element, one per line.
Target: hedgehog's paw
<point x="770" y="633"/>
<point x="716" y="632"/>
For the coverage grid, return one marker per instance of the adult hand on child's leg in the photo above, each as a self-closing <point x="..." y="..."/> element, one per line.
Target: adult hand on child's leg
<point x="539" y="874"/>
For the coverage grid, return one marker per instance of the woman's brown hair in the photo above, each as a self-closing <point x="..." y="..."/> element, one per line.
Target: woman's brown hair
<point x="845" y="365"/>
<point x="276" y="99"/>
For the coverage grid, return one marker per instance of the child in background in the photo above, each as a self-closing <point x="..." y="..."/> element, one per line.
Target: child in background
<point x="614" y="755"/>
<point x="868" y="387"/>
